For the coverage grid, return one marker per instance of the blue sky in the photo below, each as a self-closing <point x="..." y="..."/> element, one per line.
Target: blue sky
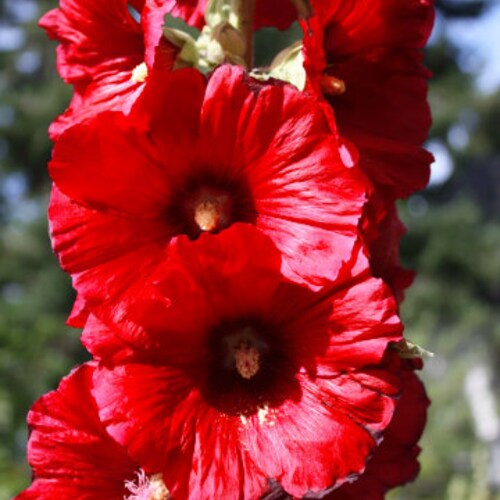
<point x="480" y="40"/>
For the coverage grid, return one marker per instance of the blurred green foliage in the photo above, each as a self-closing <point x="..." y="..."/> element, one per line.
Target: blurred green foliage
<point x="452" y="309"/>
<point x="453" y="242"/>
<point x="36" y="348"/>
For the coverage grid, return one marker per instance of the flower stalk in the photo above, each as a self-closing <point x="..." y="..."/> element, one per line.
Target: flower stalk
<point x="244" y="10"/>
<point x="256" y="351"/>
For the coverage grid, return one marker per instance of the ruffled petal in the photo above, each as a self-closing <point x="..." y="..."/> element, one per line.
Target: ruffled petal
<point x="69" y="450"/>
<point x="101" y="45"/>
<point x="373" y="49"/>
<point x="103" y="263"/>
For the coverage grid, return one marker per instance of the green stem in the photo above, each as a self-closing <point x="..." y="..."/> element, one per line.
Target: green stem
<point x="245" y="12"/>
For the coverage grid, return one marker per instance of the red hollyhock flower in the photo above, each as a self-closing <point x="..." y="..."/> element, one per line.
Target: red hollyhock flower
<point x="72" y="455"/>
<point x="199" y="157"/>
<point x="248" y="377"/>
<point x="103" y="54"/>
<point x="366" y="56"/>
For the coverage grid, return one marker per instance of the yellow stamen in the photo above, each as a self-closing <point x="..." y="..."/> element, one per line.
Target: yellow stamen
<point x="263" y="415"/>
<point x="207" y="215"/>
<point x="158" y="489"/>
<point x="247" y="359"/>
<point x="211" y="210"/>
<point x="140" y="73"/>
<point x="147" y="488"/>
<point x="332" y="86"/>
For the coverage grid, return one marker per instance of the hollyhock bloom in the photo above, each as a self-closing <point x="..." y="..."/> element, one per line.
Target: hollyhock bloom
<point x="249" y="377"/>
<point x="365" y="55"/>
<point x="104" y="53"/>
<point x="72" y="455"/>
<point x="197" y="157"/>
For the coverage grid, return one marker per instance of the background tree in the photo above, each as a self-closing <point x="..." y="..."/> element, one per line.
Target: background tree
<point x="453" y="241"/>
<point x="36" y="348"/>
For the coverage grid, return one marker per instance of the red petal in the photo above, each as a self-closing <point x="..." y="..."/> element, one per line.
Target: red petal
<point x="373" y="47"/>
<point x="69" y="450"/>
<point x="95" y="37"/>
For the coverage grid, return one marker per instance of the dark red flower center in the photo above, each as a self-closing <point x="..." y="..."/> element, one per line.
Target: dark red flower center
<point x="249" y="367"/>
<point x="257" y="360"/>
<point x="211" y="209"/>
<point x="208" y="205"/>
<point x="244" y="351"/>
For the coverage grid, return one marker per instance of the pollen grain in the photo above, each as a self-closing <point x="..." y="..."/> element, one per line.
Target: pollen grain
<point x="247" y="359"/>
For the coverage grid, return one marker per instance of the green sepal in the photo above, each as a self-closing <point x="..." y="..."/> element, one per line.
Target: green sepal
<point x="409" y="350"/>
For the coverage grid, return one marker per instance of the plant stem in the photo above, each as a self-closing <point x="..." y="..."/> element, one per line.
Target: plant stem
<point x="245" y="13"/>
